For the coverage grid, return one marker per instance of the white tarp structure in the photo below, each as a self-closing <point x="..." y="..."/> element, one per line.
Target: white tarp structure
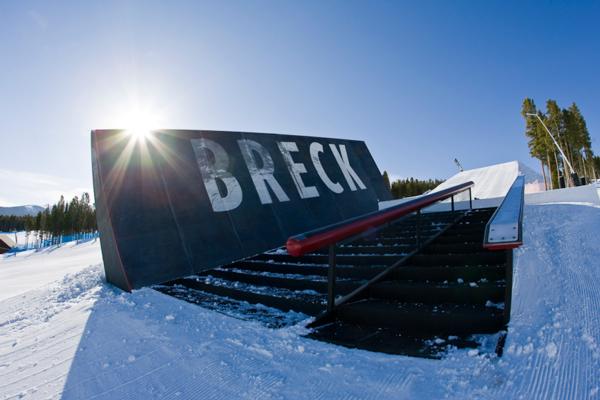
<point x="491" y="182"/>
<point x="494" y="181"/>
<point x="491" y="185"/>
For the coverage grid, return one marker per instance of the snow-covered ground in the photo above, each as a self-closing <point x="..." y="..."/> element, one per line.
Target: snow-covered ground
<point x="80" y="338"/>
<point x="24" y="271"/>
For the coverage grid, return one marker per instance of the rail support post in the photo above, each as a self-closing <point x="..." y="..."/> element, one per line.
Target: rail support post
<point x="452" y="202"/>
<point x="470" y="199"/>
<point x="418" y="229"/>
<point x="331" y="279"/>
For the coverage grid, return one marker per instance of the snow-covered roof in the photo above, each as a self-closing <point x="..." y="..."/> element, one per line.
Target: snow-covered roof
<point x="7" y="240"/>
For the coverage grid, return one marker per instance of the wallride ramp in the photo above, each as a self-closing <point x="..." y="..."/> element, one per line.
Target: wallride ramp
<point x="174" y="203"/>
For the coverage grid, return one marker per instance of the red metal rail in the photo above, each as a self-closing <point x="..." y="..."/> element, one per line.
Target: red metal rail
<point x="320" y="238"/>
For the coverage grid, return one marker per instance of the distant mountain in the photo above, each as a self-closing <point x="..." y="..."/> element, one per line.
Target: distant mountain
<point x="21" y="210"/>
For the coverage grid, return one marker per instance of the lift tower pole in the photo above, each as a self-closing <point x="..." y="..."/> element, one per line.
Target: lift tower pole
<point x="564" y="157"/>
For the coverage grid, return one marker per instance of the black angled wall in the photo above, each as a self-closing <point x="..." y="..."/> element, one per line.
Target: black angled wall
<point x="174" y="203"/>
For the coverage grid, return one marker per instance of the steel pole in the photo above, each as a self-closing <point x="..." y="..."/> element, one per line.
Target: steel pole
<point x="555" y="143"/>
<point x="331" y="279"/>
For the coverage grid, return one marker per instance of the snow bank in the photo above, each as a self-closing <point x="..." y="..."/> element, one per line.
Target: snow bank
<point x="589" y="194"/>
<point x="81" y="338"/>
<point x="32" y="269"/>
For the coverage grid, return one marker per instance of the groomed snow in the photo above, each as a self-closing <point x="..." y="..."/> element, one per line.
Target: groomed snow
<point x="24" y="271"/>
<point x="80" y="338"/>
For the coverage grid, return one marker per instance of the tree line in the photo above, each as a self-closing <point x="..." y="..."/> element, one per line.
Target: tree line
<point x="570" y="131"/>
<point x="11" y="223"/>
<point x="410" y="186"/>
<point x="76" y="217"/>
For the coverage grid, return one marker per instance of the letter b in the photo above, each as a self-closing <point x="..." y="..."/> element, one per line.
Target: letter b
<point x="211" y="171"/>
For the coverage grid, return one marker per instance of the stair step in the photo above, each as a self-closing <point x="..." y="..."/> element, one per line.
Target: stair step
<point x="470" y="229"/>
<point x="475" y="219"/>
<point x="387" y="241"/>
<point x="387" y="340"/>
<point x="409" y="231"/>
<point x="342" y="271"/>
<point x="481" y="258"/>
<point x="438" y="292"/>
<point x="286" y="282"/>
<point x="449" y="273"/>
<point x="342" y="259"/>
<point x="423" y="318"/>
<point x="310" y="305"/>
<point x="455" y="248"/>
<point x="367" y="250"/>
<point x="269" y="316"/>
<point x="450" y="238"/>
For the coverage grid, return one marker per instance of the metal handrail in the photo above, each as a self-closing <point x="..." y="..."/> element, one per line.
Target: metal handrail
<point x="319" y="238"/>
<point x="504" y="230"/>
<point x="332" y="234"/>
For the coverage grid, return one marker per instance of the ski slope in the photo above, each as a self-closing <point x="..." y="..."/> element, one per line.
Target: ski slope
<point x="80" y="338"/>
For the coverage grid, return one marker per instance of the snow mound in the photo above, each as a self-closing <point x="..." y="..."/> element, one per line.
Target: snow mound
<point x="54" y="299"/>
<point x="44" y="266"/>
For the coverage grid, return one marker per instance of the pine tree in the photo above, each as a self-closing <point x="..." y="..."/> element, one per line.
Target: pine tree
<point x="386" y="180"/>
<point x="556" y="124"/>
<point x="584" y="142"/>
<point x="412" y="187"/>
<point x="569" y="129"/>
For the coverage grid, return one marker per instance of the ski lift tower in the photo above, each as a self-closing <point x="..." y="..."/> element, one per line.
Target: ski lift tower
<point x="460" y="168"/>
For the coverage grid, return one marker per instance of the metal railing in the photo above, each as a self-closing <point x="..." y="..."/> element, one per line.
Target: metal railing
<point x="504" y="230"/>
<point x="333" y="234"/>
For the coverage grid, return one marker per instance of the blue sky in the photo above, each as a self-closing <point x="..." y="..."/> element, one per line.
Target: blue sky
<point x="421" y="82"/>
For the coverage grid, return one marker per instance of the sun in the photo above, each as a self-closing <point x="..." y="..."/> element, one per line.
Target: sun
<point x="139" y="132"/>
<point x="139" y="124"/>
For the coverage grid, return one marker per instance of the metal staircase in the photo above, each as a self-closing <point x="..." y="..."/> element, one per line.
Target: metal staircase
<point x="451" y="289"/>
<point x="279" y="280"/>
<point x="399" y="281"/>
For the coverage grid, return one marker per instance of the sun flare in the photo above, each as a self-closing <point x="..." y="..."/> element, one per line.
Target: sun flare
<point x="140" y="124"/>
<point x="138" y="119"/>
